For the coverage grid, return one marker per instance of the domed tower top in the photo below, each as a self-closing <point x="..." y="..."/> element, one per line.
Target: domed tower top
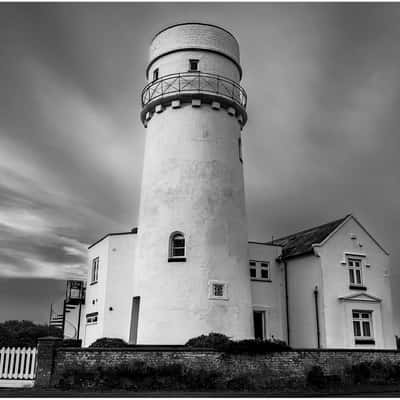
<point x="194" y="61"/>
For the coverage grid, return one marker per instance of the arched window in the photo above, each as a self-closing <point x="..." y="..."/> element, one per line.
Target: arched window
<point x="177" y="247"/>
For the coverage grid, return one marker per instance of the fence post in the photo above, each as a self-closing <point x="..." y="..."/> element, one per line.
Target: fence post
<point x="45" y="360"/>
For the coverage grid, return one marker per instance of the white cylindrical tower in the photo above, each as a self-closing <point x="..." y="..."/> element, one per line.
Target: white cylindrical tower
<point x="191" y="269"/>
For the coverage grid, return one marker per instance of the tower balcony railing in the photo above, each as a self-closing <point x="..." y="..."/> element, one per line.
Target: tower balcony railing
<point x="194" y="82"/>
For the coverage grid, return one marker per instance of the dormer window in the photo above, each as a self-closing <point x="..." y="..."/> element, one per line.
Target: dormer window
<point x="193" y="65"/>
<point x="177" y="247"/>
<point x="155" y="74"/>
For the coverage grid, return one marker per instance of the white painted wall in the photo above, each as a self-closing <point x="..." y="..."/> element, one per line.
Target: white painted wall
<point x="193" y="183"/>
<point x="304" y="273"/>
<point x="119" y="286"/>
<point x="376" y="278"/>
<point x="270" y="296"/>
<point x="113" y="289"/>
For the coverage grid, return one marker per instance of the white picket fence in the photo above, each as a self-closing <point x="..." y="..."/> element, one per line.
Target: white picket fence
<point x="17" y="366"/>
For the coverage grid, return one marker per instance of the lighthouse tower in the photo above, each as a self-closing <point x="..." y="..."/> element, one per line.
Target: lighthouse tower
<point x="191" y="266"/>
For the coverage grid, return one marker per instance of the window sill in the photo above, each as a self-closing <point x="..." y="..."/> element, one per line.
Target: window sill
<point x="260" y="280"/>
<point x="364" y="341"/>
<point x="176" y="259"/>
<point x="356" y="287"/>
<point x="93" y="283"/>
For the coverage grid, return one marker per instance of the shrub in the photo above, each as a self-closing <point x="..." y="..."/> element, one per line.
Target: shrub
<point x="109" y="342"/>
<point x="221" y="342"/>
<point x="316" y="377"/>
<point x="255" y="346"/>
<point x="212" y="340"/>
<point x="361" y="372"/>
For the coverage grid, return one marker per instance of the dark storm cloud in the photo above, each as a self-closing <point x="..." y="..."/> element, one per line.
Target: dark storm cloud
<point x="321" y="140"/>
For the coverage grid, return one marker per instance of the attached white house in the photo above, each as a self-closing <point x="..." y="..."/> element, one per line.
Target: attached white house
<point x="334" y="282"/>
<point x="324" y="287"/>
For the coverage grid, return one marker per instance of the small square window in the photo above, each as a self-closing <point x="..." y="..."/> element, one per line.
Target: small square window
<point x="193" y="65"/>
<point x="218" y="290"/>
<point x="252" y="263"/>
<point x="253" y="272"/>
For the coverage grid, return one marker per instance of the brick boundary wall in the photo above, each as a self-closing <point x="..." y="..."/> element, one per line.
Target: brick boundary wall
<point x="277" y="369"/>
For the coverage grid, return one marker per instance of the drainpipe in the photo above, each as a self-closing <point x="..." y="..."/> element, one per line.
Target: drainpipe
<point x="287" y="302"/>
<point x="317" y="315"/>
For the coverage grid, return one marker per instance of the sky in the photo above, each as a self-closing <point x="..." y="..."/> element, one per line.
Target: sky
<point x="323" y="85"/>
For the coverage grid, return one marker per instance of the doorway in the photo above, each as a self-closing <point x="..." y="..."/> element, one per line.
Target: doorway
<point x="134" y="320"/>
<point x="259" y="325"/>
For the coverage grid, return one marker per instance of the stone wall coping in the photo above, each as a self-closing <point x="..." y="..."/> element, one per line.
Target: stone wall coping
<point x="50" y="339"/>
<point x="344" y="351"/>
<point x="139" y="348"/>
<point x="184" y="349"/>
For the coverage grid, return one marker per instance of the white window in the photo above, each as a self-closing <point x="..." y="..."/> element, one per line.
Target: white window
<point x="193" y="65"/>
<point x="362" y="326"/>
<point x="218" y="290"/>
<point x="92" y="318"/>
<point x="177" y="246"/>
<point x="95" y="270"/>
<point x="355" y="271"/>
<point x="259" y="270"/>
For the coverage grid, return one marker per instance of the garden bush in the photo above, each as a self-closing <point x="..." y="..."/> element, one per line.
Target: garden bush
<point x="221" y="342"/>
<point x="109" y="342"/>
<point x="316" y="377"/>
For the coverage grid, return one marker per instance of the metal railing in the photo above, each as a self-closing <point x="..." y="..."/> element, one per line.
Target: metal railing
<point x="194" y="82"/>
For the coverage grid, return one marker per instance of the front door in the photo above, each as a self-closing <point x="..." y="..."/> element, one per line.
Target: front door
<point x="259" y="324"/>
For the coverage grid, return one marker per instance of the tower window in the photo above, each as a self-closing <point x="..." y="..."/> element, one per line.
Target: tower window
<point x="95" y="270"/>
<point x="193" y="65"/>
<point x="177" y="247"/>
<point x="218" y="290"/>
<point x="155" y="74"/>
<point x="240" y="149"/>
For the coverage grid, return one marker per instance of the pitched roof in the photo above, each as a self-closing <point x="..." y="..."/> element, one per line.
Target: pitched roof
<point x="301" y="242"/>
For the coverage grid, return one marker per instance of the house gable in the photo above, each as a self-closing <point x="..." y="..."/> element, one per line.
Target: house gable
<point x="341" y="225"/>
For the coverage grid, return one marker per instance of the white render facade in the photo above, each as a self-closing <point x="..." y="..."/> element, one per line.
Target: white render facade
<point x="189" y="269"/>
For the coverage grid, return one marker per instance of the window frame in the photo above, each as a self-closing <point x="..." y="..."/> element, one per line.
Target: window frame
<point x="95" y="316"/>
<point x="211" y="290"/>
<point x="94" y="278"/>
<point x="156" y="74"/>
<point x="172" y="248"/>
<point x="360" y="321"/>
<point x="194" y="60"/>
<point x="260" y="266"/>
<point x="355" y="272"/>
